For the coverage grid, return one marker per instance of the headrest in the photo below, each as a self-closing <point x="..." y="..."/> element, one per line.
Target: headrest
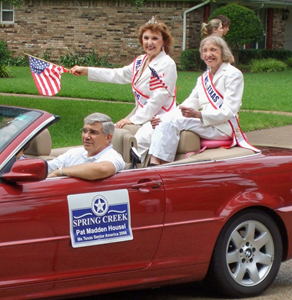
<point x="132" y="128"/>
<point x="122" y="142"/>
<point x="40" y="145"/>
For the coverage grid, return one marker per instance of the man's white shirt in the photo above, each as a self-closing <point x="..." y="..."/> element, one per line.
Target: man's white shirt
<point x="77" y="156"/>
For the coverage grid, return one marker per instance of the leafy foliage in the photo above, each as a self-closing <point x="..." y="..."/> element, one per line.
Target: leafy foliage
<point x="4" y="52"/>
<point x="90" y="58"/>
<point x="14" y="2"/>
<point x="247" y="55"/>
<point x="190" y="60"/>
<point x="4" y="55"/>
<point x="245" y="26"/>
<point x="4" y="71"/>
<point x="18" y="61"/>
<point x="289" y="62"/>
<point x="267" y="65"/>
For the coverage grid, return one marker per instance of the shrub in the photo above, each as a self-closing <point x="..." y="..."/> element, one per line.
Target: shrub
<point x="289" y="62"/>
<point x="6" y="59"/>
<point x="247" y="55"/>
<point x="47" y="55"/>
<point x="18" y="61"/>
<point x="4" y="71"/>
<point x="246" y="27"/>
<point x="4" y="55"/>
<point x="190" y="60"/>
<point x="267" y="65"/>
<point x="89" y="58"/>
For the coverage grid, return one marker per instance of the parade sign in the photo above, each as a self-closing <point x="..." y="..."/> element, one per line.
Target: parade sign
<point x="99" y="218"/>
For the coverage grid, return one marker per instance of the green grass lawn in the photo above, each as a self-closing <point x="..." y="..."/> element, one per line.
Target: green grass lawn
<point x="264" y="91"/>
<point x="268" y="92"/>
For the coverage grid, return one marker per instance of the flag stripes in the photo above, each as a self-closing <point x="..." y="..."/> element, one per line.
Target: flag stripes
<point x="47" y="76"/>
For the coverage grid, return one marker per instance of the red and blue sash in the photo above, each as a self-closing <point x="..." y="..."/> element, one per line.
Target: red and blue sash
<point x="139" y="97"/>
<point x="142" y="99"/>
<point x="216" y="100"/>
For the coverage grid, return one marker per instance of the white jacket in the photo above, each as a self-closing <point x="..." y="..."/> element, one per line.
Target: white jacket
<point x="228" y="81"/>
<point x="157" y="101"/>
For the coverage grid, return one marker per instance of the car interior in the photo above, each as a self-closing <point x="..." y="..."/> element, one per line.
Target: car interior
<point x="189" y="148"/>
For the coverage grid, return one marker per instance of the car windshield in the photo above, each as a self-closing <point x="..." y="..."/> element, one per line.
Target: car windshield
<point x="13" y="121"/>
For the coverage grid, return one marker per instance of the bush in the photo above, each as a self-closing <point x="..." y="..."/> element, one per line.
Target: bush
<point x="6" y="59"/>
<point x="4" y="71"/>
<point x="247" y="55"/>
<point x="89" y="58"/>
<point x="190" y="60"/>
<point x="267" y="65"/>
<point x="18" y="61"/>
<point x="4" y="53"/>
<point x="289" y="62"/>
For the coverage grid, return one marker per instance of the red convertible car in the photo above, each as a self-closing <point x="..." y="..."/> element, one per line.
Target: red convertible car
<point x="223" y="215"/>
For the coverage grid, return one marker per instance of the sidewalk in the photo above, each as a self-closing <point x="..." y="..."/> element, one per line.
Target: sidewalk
<point x="276" y="137"/>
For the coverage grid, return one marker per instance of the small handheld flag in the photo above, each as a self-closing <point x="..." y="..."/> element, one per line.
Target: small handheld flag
<point x="47" y="76"/>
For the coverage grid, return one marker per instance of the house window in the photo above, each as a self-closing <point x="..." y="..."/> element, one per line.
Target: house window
<point x="7" y="12"/>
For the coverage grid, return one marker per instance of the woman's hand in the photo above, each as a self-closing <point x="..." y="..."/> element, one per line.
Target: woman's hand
<point x="188" y="112"/>
<point x="155" y="121"/>
<point x="78" y="71"/>
<point x="122" y="123"/>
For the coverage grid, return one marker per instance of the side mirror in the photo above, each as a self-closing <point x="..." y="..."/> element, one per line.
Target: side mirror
<point x="27" y="170"/>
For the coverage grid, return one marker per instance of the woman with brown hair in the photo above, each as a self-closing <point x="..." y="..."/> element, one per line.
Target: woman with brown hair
<point x="153" y="78"/>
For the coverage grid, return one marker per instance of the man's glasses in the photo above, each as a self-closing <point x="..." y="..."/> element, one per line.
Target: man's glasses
<point x="89" y="131"/>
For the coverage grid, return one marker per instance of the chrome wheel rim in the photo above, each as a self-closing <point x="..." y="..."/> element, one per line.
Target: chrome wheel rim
<point x="250" y="253"/>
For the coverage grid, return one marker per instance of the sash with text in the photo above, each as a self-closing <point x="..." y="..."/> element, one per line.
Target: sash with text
<point x="216" y="100"/>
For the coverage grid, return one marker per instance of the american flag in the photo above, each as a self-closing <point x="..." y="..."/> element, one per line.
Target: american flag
<point x="155" y="81"/>
<point x="47" y="76"/>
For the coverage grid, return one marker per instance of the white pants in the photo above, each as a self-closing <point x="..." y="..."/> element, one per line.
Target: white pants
<point x="165" y="137"/>
<point x="143" y="137"/>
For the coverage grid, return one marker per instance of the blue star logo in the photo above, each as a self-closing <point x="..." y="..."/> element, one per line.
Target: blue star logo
<point x="99" y="205"/>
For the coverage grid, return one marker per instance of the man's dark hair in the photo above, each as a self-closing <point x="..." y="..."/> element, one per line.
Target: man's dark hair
<point x="225" y="21"/>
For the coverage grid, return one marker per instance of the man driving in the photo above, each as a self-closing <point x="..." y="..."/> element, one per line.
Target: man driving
<point x="97" y="159"/>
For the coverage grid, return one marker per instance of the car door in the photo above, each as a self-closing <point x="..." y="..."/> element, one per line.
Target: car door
<point x="35" y="241"/>
<point x="195" y="194"/>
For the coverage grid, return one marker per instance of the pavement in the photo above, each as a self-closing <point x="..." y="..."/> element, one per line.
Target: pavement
<point x="273" y="137"/>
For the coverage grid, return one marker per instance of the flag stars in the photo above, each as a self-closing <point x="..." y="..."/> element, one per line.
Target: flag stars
<point x="38" y="66"/>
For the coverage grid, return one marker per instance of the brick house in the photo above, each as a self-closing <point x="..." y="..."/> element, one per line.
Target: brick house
<point x="110" y="27"/>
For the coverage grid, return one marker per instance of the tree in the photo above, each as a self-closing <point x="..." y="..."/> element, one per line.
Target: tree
<point x="245" y="26"/>
<point x="14" y="2"/>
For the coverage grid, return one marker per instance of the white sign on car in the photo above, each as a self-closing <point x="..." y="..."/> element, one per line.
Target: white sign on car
<point x="99" y="218"/>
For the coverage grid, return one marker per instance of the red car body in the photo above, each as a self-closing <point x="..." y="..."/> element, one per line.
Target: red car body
<point x="177" y="213"/>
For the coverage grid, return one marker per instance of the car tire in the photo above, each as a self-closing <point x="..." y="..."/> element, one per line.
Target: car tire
<point x="247" y="255"/>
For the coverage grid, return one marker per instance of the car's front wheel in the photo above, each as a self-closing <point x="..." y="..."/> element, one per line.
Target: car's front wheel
<point x="247" y="255"/>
